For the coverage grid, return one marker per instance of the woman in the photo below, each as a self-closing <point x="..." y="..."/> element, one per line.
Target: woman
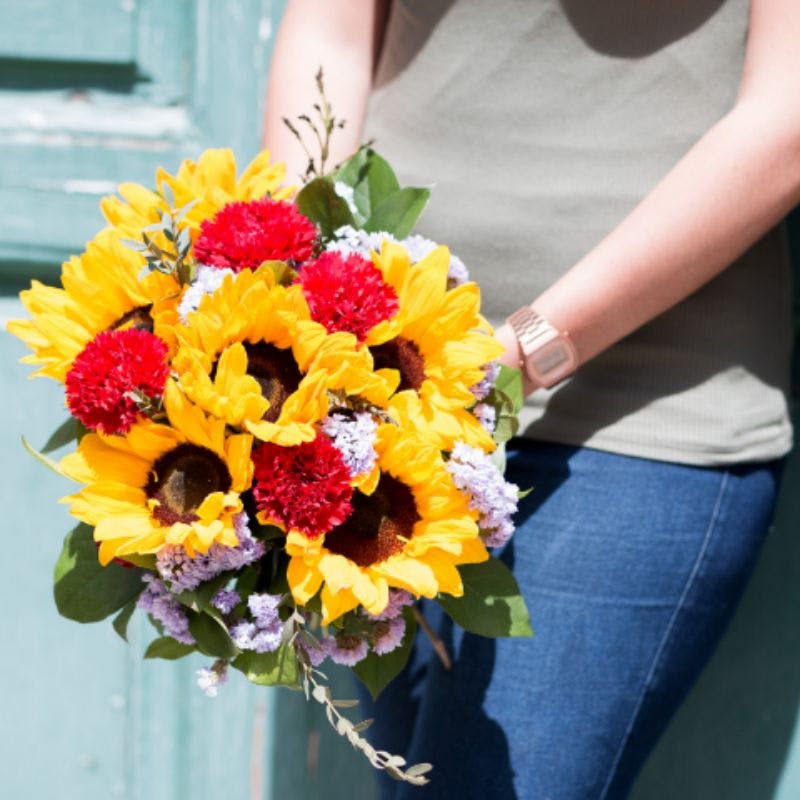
<point x="622" y="168"/>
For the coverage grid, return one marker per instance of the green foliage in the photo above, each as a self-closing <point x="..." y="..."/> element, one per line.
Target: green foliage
<point x="41" y="458"/>
<point x="86" y="591"/>
<point x="509" y="382"/>
<point x="211" y="634"/>
<point x="492" y="604"/>
<point x="507" y="398"/>
<point x="270" y="669"/>
<point x="372" y="181"/>
<point x="122" y="619"/>
<point x="377" y="671"/>
<point x="380" y="202"/>
<point x="320" y="203"/>
<point x="166" y="647"/>
<point x="71" y="430"/>
<point x="399" y="212"/>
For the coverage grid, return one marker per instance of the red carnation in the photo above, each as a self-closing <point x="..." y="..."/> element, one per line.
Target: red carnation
<point x="109" y="372"/>
<point x="304" y="488"/>
<point x="347" y="294"/>
<point x="244" y="235"/>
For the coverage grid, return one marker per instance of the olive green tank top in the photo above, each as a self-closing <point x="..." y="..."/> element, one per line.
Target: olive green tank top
<point x="542" y="123"/>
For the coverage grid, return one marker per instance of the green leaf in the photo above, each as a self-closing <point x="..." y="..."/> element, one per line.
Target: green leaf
<point x="398" y="213"/>
<point x="509" y="382"/>
<point x="492" y="604"/>
<point x="211" y="635"/>
<point x="270" y="669"/>
<point x="85" y="590"/>
<point x="372" y="179"/>
<point x="523" y="493"/>
<point x="122" y="619"/>
<point x="69" y="431"/>
<point x="377" y="671"/>
<point x="41" y="458"/>
<point x="167" y="647"/>
<point x="320" y="203"/>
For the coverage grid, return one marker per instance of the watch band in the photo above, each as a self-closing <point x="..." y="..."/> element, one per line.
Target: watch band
<point x="548" y="355"/>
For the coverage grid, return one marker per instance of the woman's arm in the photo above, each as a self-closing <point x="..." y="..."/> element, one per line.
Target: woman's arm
<point x="342" y="37"/>
<point x="738" y="181"/>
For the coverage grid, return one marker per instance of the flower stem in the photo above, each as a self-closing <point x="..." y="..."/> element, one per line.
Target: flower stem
<point x="438" y="645"/>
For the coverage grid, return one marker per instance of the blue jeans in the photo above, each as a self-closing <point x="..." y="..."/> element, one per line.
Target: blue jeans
<point x="631" y="569"/>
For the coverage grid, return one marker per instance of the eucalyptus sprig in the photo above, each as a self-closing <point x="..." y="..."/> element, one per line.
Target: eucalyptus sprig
<point x="394" y="766"/>
<point x="322" y="131"/>
<point x="172" y="254"/>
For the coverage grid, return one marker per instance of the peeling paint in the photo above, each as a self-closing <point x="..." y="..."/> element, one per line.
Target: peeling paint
<point x="265" y="29"/>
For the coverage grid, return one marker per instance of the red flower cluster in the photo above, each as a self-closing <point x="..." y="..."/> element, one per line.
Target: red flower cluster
<point x="304" y="488"/>
<point x="112" y="366"/>
<point x="347" y="294"/>
<point x="243" y="235"/>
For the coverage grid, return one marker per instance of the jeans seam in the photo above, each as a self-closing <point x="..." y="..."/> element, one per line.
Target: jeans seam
<point x="667" y="634"/>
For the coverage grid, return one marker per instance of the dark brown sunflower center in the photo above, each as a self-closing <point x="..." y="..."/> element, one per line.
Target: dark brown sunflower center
<point x="378" y="525"/>
<point x="403" y="355"/>
<point x="276" y="372"/>
<point x="182" y="478"/>
<point x="138" y="318"/>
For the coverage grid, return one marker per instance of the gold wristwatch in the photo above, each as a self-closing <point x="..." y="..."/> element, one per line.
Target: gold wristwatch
<point x="548" y="355"/>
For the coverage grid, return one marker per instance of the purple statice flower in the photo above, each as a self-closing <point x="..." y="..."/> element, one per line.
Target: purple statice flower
<point x="398" y="599"/>
<point x="264" y="633"/>
<point x="226" y="601"/>
<point x="206" y="281"/>
<point x="345" y="649"/>
<point x="353" y="435"/>
<point x="484" y="386"/>
<point x="490" y="494"/>
<point x="182" y="572"/>
<point x="316" y="653"/>
<point x="242" y="634"/>
<point x="209" y="680"/>
<point x="264" y="608"/>
<point x="486" y="415"/>
<point x="163" y="607"/>
<point x="387" y="635"/>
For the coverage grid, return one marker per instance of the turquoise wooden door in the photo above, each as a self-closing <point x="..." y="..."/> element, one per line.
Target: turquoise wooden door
<point x="93" y="92"/>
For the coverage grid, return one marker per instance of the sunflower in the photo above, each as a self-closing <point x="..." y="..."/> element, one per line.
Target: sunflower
<point x="411" y="532"/>
<point x="102" y="291"/>
<point x="176" y="484"/>
<point x="434" y="338"/>
<point x="250" y="355"/>
<point x="210" y="182"/>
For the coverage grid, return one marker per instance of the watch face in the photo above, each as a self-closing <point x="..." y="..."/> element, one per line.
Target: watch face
<point x="550" y="357"/>
<point x="552" y="362"/>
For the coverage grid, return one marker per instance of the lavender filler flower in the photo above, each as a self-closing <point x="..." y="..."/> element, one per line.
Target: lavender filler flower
<point x="163" y="607"/>
<point x="353" y="435"/>
<point x="209" y="680"/>
<point x="264" y="633"/>
<point x="182" y="572"/>
<point x="483" y="387"/>
<point x="490" y="494"/>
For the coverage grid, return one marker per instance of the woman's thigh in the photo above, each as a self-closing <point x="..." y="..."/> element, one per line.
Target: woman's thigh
<point x="630" y="569"/>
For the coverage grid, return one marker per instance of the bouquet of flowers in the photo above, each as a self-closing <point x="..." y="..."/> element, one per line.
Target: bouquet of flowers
<point x="286" y="413"/>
